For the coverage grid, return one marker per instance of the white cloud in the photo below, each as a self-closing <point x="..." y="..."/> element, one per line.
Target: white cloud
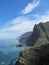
<point x="21" y="25"/>
<point x="16" y="29"/>
<point x="30" y="7"/>
<point x="43" y="18"/>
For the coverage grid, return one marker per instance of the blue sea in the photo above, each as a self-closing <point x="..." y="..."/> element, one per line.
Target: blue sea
<point x="9" y="51"/>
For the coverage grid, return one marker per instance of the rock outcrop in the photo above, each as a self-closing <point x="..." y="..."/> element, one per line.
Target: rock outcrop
<point x="35" y="56"/>
<point x="40" y="34"/>
<point x="38" y="51"/>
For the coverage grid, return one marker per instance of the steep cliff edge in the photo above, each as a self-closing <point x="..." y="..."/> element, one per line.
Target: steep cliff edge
<point x="38" y="52"/>
<point x="40" y="34"/>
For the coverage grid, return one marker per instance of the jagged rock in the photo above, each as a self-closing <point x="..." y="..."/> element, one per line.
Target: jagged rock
<point x="38" y="52"/>
<point x="35" y="56"/>
<point x="40" y="34"/>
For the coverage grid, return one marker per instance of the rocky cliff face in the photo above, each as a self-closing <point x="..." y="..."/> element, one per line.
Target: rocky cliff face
<point x="40" y="34"/>
<point x="35" y="56"/>
<point x="38" y="52"/>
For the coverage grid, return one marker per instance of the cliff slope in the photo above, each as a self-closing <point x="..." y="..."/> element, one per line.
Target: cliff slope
<point x="35" y="56"/>
<point x="38" y="51"/>
<point x="40" y="34"/>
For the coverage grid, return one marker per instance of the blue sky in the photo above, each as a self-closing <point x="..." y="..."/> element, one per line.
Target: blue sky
<point x="19" y="16"/>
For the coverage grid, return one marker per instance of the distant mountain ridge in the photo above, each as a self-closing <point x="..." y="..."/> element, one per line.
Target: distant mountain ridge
<point x="24" y="37"/>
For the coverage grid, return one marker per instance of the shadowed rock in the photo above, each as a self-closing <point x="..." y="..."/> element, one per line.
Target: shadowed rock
<point x="34" y="56"/>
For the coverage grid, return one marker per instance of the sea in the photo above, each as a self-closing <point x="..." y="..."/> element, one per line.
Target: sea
<point x="9" y="51"/>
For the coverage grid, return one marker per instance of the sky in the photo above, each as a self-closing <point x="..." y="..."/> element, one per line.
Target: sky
<point x="20" y="16"/>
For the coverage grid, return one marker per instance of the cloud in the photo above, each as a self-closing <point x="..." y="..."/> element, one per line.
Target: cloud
<point x="17" y="28"/>
<point x="30" y="7"/>
<point x="21" y="24"/>
<point x="43" y="18"/>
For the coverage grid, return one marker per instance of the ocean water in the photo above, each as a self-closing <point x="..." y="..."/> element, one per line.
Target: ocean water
<point x="9" y="53"/>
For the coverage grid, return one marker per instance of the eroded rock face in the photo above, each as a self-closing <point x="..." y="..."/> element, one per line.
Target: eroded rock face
<point x="38" y="52"/>
<point x="35" y="56"/>
<point x="40" y="34"/>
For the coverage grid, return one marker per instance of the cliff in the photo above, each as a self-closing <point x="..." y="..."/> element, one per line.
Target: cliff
<point x="24" y="37"/>
<point x="38" y="51"/>
<point x="40" y="34"/>
<point x="35" y="56"/>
